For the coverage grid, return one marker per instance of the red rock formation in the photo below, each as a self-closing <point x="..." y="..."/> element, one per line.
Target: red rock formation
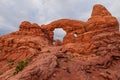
<point x="25" y="26"/>
<point x="99" y="10"/>
<point x="70" y="26"/>
<point x="101" y="19"/>
<point x="93" y="54"/>
<point x="57" y="42"/>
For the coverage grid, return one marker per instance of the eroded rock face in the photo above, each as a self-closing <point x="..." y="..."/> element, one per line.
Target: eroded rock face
<point x="89" y="51"/>
<point x="99" y="10"/>
<point x="20" y="45"/>
<point x="25" y="26"/>
<point x="101" y="19"/>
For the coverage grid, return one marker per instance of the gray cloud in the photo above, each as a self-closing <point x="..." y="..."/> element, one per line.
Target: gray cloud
<point x="6" y="29"/>
<point x="115" y="8"/>
<point x="12" y="12"/>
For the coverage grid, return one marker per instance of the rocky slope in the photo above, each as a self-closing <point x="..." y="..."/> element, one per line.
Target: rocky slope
<point x="94" y="54"/>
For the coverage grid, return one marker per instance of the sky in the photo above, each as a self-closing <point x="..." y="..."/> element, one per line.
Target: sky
<point x="13" y="12"/>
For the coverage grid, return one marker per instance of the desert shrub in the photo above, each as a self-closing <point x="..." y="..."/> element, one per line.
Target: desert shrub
<point x="21" y="65"/>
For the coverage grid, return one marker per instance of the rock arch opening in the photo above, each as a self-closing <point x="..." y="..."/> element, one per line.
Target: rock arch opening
<point x="59" y="34"/>
<point x="75" y="34"/>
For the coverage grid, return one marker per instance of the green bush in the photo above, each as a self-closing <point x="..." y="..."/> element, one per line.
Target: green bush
<point x="21" y="65"/>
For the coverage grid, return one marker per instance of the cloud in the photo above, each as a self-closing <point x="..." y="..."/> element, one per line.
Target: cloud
<point x="6" y="29"/>
<point x="115" y="8"/>
<point x="13" y="12"/>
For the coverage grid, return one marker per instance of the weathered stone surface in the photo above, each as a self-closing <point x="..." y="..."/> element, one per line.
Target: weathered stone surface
<point x="89" y="51"/>
<point x="25" y="26"/>
<point x="101" y="19"/>
<point x="99" y="10"/>
<point x="41" y="68"/>
<point x="57" y="42"/>
<point x="21" y="45"/>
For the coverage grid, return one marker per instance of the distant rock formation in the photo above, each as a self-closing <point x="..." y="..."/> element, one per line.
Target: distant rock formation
<point x="89" y="51"/>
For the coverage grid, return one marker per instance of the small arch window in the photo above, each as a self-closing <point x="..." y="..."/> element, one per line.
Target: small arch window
<point x="75" y="34"/>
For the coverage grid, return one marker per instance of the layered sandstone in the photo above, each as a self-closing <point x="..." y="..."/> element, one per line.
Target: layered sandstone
<point x="93" y="54"/>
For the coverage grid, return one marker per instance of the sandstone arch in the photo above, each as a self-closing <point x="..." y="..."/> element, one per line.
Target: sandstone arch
<point x="69" y="26"/>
